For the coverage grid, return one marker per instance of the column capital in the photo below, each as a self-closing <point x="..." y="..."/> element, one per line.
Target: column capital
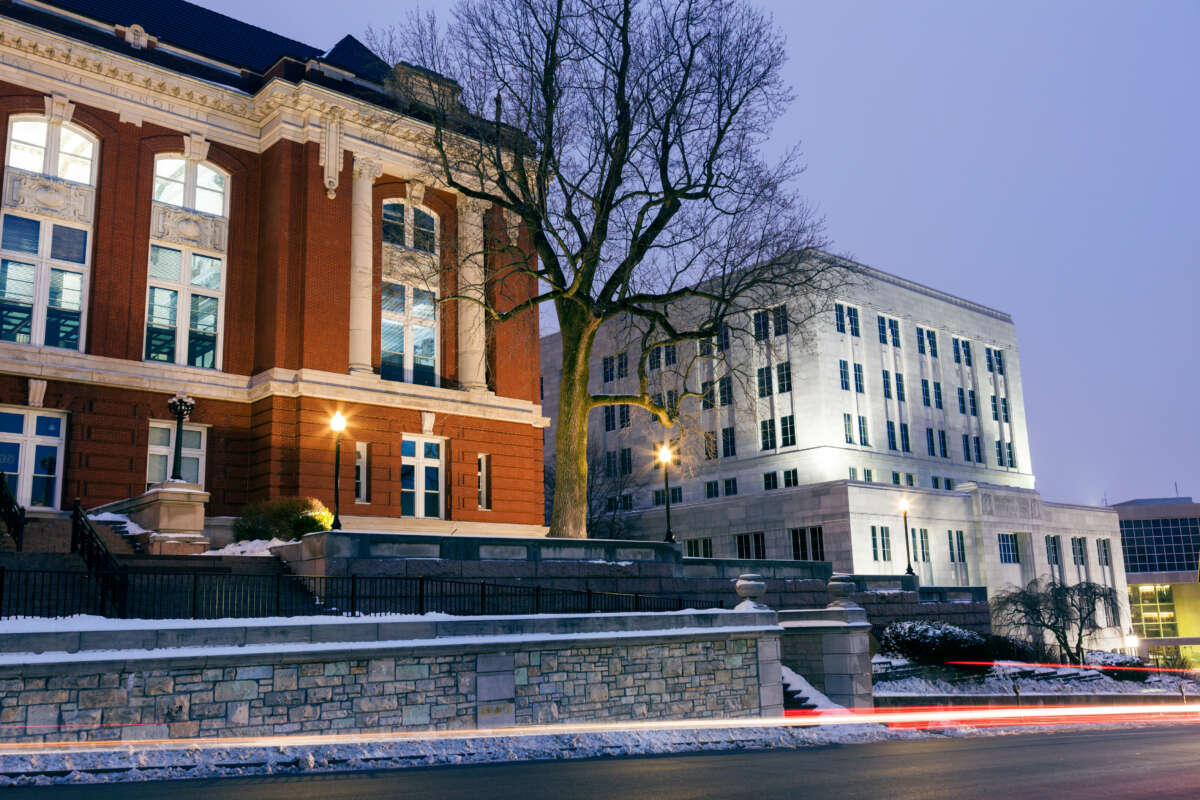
<point x="367" y="167"/>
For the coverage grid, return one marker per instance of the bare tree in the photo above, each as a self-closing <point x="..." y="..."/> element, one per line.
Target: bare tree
<point x="625" y="138"/>
<point x="1068" y="613"/>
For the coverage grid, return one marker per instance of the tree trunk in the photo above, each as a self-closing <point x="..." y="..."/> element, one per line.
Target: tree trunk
<point x="570" y="513"/>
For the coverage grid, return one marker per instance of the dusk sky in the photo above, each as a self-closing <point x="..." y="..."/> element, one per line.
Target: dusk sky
<point x="1040" y="158"/>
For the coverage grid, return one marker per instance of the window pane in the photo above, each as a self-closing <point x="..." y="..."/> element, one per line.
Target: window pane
<point x="16" y="301"/>
<point x="160" y="436"/>
<point x="408" y="448"/>
<point x="160" y="324"/>
<point x="393" y="223"/>
<point x="392" y="298"/>
<point x="168" y="180"/>
<point x="63" y="311"/>
<point x="20" y="234"/>
<point x="391" y="362"/>
<point x="190" y="469"/>
<point x="423" y="355"/>
<point x="163" y="306"/>
<point x="68" y="244"/>
<point x="49" y="426"/>
<point x="11" y="423"/>
<point x="206" y="272"/>
<point x="75" y="169"/>
<point x="165" y="263"/>
<point x="30" y="131"/>
<point x="28" y="146"/>
<point x="202" y="337"/>
<point x="75" y="144"/>
<point x="45" y="467"/>
<point x="156" y="468"/>
<point x="10" y="461"/>
<point x="192" y="440"/>
<point x="432" y="449"/>
<point x="424" y="237"/>
<point x="424" y="306"/>
<point x="210" y="202"/>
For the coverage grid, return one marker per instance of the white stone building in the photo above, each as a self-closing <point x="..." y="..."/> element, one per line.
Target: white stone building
<point x="898" y="394"/>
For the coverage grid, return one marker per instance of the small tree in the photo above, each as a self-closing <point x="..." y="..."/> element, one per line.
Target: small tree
<point x="1068" y="613"/>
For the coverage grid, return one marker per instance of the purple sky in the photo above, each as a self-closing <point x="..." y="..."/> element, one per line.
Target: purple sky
<point x="1040" y="158"/>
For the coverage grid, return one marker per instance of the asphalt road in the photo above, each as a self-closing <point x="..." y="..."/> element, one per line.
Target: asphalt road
<point x="1140" y="763"/>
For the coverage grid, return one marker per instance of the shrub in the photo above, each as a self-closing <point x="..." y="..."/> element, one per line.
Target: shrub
<point x="283" y="518"/>
<point x="1102" y="659"/>
<point x="933" y="643"/>
<point x="1175" y="659"/>
<point x="1006" y="648"/>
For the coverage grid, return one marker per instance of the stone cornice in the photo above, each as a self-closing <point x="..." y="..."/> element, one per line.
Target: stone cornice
<point x="53" y="364"/>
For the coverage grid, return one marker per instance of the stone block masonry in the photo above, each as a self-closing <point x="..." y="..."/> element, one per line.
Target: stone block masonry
<point x="527" y="670"/>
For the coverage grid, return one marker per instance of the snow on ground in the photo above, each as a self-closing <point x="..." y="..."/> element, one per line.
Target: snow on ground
<point x="131" y="527"/>
<point x="251" y="547"/>
<point x="1000" y="681"/>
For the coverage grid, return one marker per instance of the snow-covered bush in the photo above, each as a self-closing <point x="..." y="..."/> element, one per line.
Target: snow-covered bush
<point x="931" y="642"/>
<point x="282" y="518"/>
<point x="1100" y="658"/>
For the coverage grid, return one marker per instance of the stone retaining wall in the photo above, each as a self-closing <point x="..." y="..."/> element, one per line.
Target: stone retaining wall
<point x="517" y="671"/>
<point x="885" y="607"/>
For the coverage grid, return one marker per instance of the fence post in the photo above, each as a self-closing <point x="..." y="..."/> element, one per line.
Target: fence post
<point x="195" y="595"/>
<point x="637" y="602"/>
<point x="482" y="598"/>
<point x="537" y="599"/>
<point x="278" y="594"/>
<point x="353" y="595"/>
<point x="421" y="595"/>
<point x="589" y="601"/>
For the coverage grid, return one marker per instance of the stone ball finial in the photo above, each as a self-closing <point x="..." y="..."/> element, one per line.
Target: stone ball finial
<point x="750" y="587"/>
<point x="840" y="586"/>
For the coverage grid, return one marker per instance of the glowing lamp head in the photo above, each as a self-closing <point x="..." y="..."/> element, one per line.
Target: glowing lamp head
<point x="1131" y="641"/>
<point x="903" y="506"/>
<point x="338" y="423"/>
<point x="664" y="455"/>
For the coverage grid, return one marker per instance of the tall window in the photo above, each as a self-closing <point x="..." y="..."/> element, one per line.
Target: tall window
<point x="784" y="375"/>
<point x="859" y="385"/>
<point x="937" y="394"/>
<point x="844" y="374"/>
<point x="767" y="431"/>
<point x="899" y="388"/>
<point x="731" y="487"/>
<point x="1078" y="551"/>
<point x="45" y="255"/>
<point x="408" y="347"/>
<point x="751" y="545"/>
<point x="762" y="326"/>
<point x="185" y="293"/>
<point x="962" y="400"/>
<point x="710" y="445"/>
<point x="891" y="436"/>
<point x="725" y="390"/>
<point x="779" y="320"/>
<point x="905" y="444"/>
<point x="839" y="317"/>
<point x="808" y="544"/>
<point x="863" y="439"/>
<point x="764" y="381"/>
<point x="848" y="423"/>
<point x="852" y="318"/>
<point x="161" y="452"/>
<point x="1009" y="553"/>
<point x="787" y="430"/>
<point x="31" y="454"/>
<point x="925" y="391"/>
<point x="1104" y="552"/>
<point x="887" y="384"/>
<point x="421" y="477"/>
<point x="881" y="543"/>
<point x="1053" y="551"/>
<point x="728" y="443"/>
<point x="958" y="552"/>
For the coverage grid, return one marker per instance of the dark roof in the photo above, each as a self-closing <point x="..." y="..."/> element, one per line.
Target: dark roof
<point x="352" y="55"/>
<point x="197" y="29"/>
<point x="1156" y="501"/>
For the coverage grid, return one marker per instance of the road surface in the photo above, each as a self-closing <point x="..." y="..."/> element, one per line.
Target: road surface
<point x="1158" y="763"/>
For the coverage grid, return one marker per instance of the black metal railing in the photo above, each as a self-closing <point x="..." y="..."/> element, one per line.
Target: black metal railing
<point x="206" y="595"/>
<point x="11" y="513"/>
<point x="111" y="579"/>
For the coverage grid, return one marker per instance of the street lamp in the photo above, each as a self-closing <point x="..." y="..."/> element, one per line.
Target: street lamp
<point x="338" y="424"/>
<point x="907" y="552"/>
<point x="664" y="458"/>
<point x="181" y="406"/>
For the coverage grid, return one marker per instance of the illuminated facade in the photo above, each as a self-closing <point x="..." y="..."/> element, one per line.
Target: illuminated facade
<point x="1161" y="542"/>
<point x="192" y="204"/>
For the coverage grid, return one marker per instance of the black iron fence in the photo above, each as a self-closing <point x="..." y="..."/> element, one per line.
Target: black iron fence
<point x="199" y="595"/>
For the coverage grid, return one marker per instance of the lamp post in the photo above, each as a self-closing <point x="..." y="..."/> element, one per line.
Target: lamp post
<point x="907" y="551"/>
<point x="664" y="458"/>
<point x="181" y="406"/>
<point x="338" y="424"/>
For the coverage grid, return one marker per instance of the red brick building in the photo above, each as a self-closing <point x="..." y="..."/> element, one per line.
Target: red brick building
<point x="191" y="204"/>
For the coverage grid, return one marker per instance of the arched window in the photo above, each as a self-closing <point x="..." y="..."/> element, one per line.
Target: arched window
<point x="45" y="252"/>
<point x="185" y="293"/>
<point x="196" y="185"/>
<point x="58" y="149"/>
<point x="408" y="306"/>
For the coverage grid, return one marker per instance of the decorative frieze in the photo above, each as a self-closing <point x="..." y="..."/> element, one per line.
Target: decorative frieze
<point x="49" y="196"/>
<point x="189" y="228"/>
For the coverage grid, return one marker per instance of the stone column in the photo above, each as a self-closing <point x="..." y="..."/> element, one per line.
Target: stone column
<point x="472" y="346"/>
<point x="362" y="263"/>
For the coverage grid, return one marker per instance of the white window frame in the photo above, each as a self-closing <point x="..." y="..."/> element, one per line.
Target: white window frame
<point x="184" y="290"/>
<point x="419" y="462"/>
<point x="483" y="473"/>
<point x="191" y="169"/>
<point x="410" y="321"/>
<point x="53" y="145"/>
<point x="362" y="472"/>
<point x="28" y="441"/>
<point x="169" y="449"/>
<point x="410" y="227"/>
<point x="42" y="262"/>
